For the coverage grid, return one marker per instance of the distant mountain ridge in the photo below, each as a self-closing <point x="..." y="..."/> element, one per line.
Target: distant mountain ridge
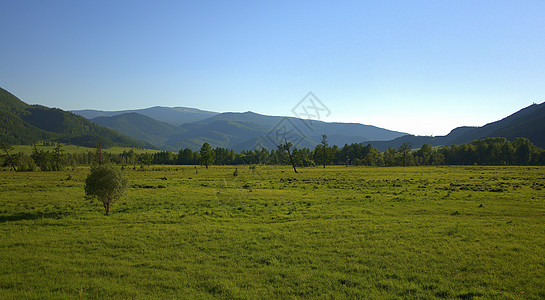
<point x="175" y="128"/>
<point x="245" y="131"/>
<point x="172" y="115"/>
<point x="528" y="122"/>
<point x="21" y="123"/>
<point x="142" y="128"/>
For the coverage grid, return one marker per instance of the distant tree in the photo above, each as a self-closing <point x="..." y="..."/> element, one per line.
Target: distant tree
<point x="424" y="154"/>
<point x="390" y="155"/>
<point x="507" y="153"/>
<point x="41" y="158"/>
<point x="322" y="152"/>
<point x="98" y="154"/>
<point x="335" y="154"/>
<point x="223" y="156"/>
<point x="163" y="158"/>
<point x="207" y="155"/>
<point x="57" y="157"/>
<point x="437" y="158"/>
<point x="146" y="159"/>
<point x="523" y="151"/>
<point x="106" y="183"/>
<point x="128" y="157"/>
<point x="373" y="157"/>
<point x="7" y="148"/>
<point x="287" y="148"/>
<point x="185" y="157"/>
<point x="405" y="151"/>
<point x="262" y="156"/>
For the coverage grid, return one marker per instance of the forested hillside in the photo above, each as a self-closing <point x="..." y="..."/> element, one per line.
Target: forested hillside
<point x="528" y="123"/>
<point x="25" y="124"/>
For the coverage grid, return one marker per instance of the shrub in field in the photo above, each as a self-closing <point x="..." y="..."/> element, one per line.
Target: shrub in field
<point x="107" y="183"/>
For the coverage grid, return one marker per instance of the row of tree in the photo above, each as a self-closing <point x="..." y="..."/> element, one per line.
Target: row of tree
<point x="489" y="151"/>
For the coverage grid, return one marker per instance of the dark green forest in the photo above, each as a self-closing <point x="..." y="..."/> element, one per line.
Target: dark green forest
<point x="489" y="151"/>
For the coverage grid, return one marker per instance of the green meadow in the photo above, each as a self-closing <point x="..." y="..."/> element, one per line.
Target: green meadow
<point x="357" y="232"/>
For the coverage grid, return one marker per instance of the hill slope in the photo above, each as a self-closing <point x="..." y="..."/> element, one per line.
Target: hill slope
<point x="528" y="122"/>
<point x="242" y="131"/>
<point x="306" y="133"/>
<point x="172" y="115"/>
<point x="21" y="123"/>
<point x="142" y="127"/>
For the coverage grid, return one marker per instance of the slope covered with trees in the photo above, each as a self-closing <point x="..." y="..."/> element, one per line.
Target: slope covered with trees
<point x="528" y="122"/>
<point x="142" y="128"/>
<point x="25" y="124"/>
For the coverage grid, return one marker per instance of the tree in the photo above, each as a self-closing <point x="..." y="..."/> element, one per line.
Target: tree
<point x="425" y="153"/>
<point x="390" y="155"/>
<point x="287" y="147"/>
<point x="373" y="157"/>
<point x="9" y="158"/>
<point x="405" y="151"/>
<point x="523" y="151"/>
<point x="322" y="152"/>
<point x="107" y="184"/>
<point x="41" y="158"/>
<point x="98" y="154"/>
<point x="57" y="156"/>
<point x="185" y="157"/>
<point x="207" y="155"/>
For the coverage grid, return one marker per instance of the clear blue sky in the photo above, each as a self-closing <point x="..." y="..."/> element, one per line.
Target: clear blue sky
<point x="422" y="67"/>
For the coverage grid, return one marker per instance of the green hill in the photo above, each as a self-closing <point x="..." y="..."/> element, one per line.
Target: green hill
<point x="528" y="122"/>
<point x="143" y="128"/>
<point x="25" y="124"/>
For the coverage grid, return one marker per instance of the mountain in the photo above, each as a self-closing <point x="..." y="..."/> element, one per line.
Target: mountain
<point x="271" y="131"/>
<point x="528" y="122"/>
<point x="21" y="123"/>
<point x="172" y="115"/>
<point x="142" y="128"/>
<point x="242" y="131"/>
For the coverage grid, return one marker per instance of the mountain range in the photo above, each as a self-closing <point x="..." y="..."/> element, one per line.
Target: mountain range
<point x="172" y="115"/>
<point x="528" y="122"/>
<point x="21" y="123"/>
<point x="244" y="131"/>
<point x="181" y="127"/>
<point x="237" y="131"/>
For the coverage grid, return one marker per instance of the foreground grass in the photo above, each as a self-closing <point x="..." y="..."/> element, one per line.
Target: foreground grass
<point x="182" y="232"/>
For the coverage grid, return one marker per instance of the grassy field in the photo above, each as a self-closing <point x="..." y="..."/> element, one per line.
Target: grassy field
<point x="186" y="232"/>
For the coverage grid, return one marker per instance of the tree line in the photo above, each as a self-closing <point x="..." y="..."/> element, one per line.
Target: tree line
<point x="489" y="151"/>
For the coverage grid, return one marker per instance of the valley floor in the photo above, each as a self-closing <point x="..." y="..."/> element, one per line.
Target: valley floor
<point x="356" y="232"/>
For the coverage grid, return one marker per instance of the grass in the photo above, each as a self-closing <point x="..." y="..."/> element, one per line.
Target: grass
<point x="186" y="232"/>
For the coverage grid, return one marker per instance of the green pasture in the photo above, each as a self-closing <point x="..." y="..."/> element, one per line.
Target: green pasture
<point x="357" y="232"/>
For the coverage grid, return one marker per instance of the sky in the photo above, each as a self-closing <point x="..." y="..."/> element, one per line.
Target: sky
<point x="422" y="67"/>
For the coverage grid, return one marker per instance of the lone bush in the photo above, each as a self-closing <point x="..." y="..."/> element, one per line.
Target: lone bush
<point x="107" y="184"/>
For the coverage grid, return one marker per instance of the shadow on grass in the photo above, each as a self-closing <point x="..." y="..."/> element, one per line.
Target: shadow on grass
<point x="32" y="216"/>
